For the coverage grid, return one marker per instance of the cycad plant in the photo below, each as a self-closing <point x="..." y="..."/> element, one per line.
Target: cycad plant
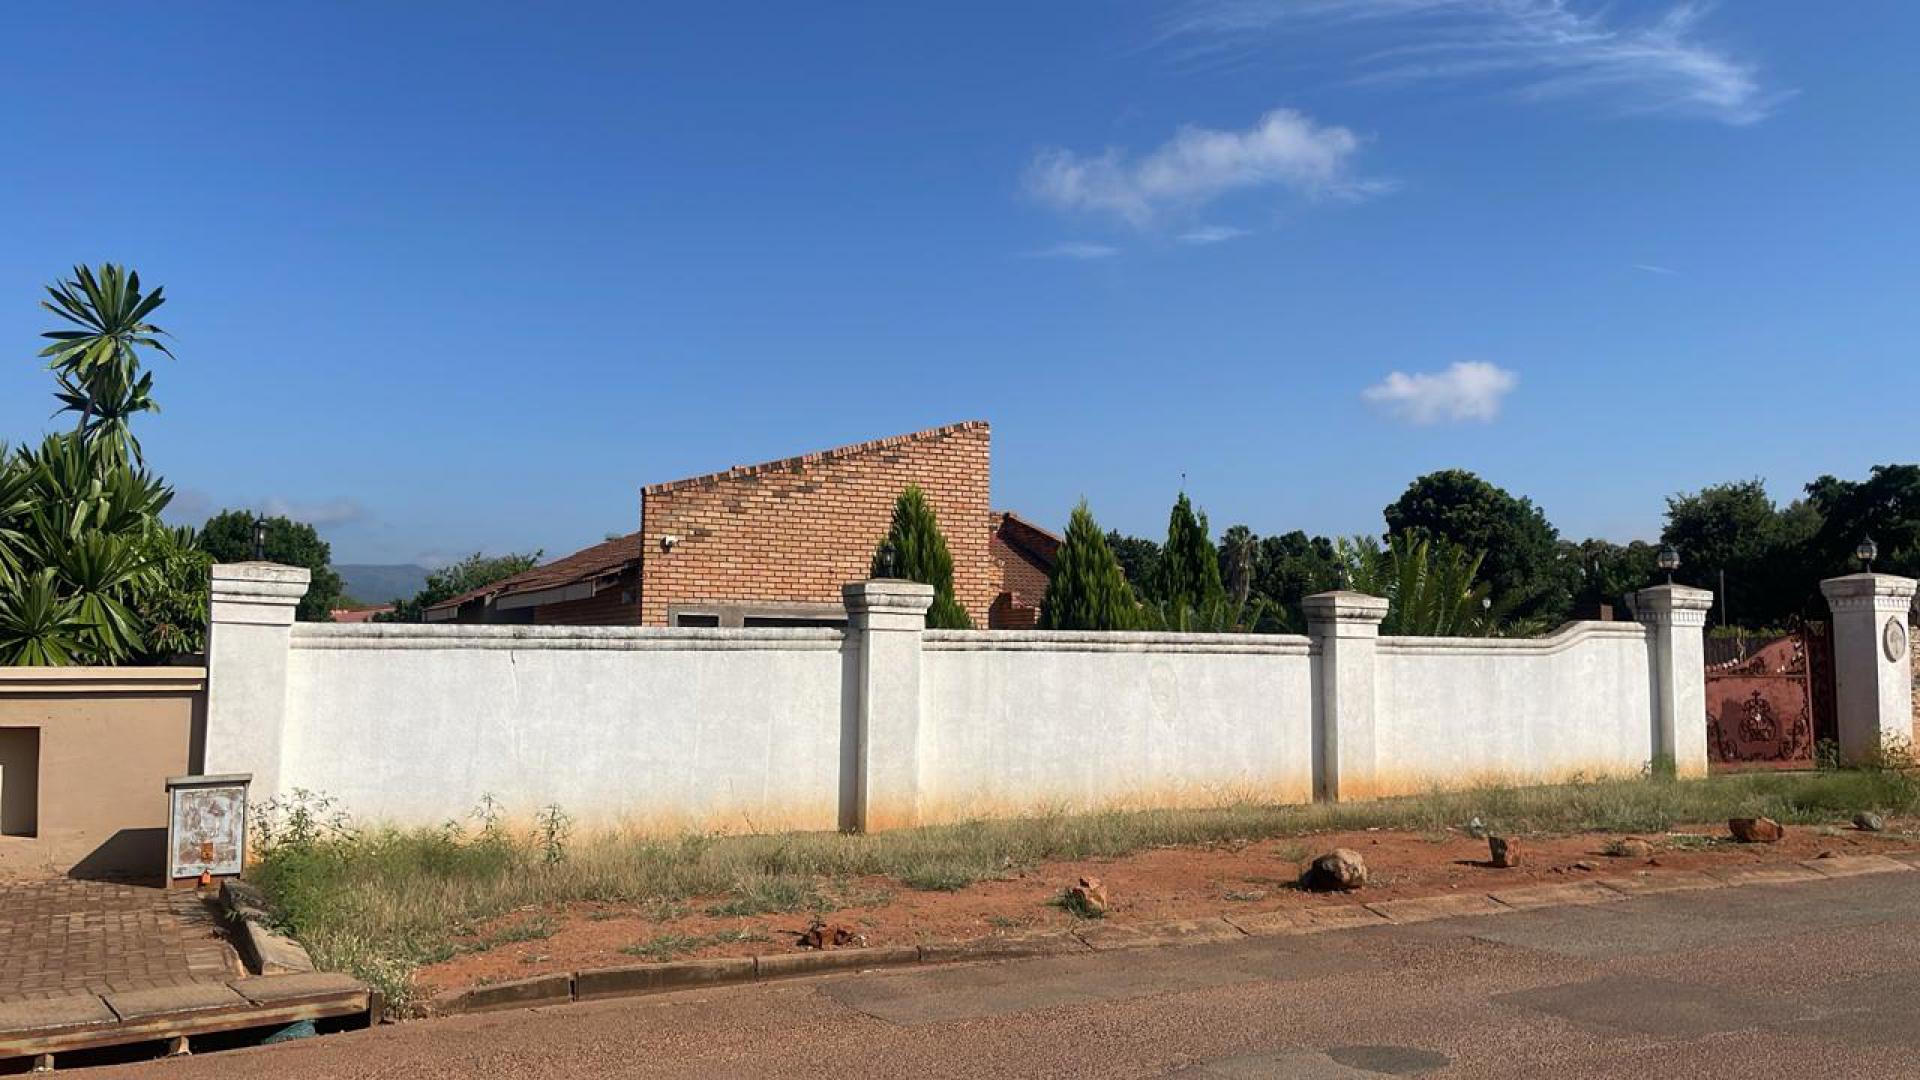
<point x="1432" y="587"/>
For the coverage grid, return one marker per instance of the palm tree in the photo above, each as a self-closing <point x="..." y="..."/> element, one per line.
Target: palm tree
<point x="1432" y="587"/>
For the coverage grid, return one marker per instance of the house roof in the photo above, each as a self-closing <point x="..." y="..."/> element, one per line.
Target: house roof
<point x="581" y="567"/>
<point x="794" y="463"/>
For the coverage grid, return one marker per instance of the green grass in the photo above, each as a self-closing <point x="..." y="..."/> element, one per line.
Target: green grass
<point x="381" y="903"/>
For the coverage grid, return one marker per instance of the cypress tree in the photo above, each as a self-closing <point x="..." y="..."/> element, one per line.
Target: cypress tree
<point x="1189" y="565"/>
<point x="1086" y="590"/>
<point x="920" y="554"/>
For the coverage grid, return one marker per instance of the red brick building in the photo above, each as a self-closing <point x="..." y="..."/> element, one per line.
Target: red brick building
<point x="771" y="544"/>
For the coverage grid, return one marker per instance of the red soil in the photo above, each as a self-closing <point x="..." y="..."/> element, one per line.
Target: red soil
<point x="1165" y="883"/>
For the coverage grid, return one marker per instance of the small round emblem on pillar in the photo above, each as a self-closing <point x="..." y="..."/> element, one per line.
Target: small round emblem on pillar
<point x="1894" y="638"/>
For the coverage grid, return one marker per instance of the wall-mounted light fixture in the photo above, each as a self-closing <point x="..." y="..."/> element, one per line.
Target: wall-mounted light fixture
<point x="669" y="542"/>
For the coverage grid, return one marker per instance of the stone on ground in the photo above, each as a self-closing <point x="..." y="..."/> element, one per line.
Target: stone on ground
<point x="1503" y="851"/>
<point x="1760" y="830"/>
<point x="1630" y="847"/>
<point x="1867" y="821"/>
<point x="1089" y="897"/>
<point x="1339" y="870"/>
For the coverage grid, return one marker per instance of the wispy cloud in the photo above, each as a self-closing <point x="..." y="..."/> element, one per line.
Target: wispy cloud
<point x="322" y="514"/>
<point x="1469" y="390"/>
<point x="1211" y="234"/>
<point x="1538" y="49"/>
<point x="1285" y="149"/>
<point x="1075" y="249"/>
<point x="1653" y="269"/>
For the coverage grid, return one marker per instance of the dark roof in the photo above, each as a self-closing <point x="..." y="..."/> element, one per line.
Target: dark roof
<point x="589" y="564"/>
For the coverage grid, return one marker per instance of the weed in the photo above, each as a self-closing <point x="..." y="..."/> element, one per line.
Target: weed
<point x="668" y="946"/>
<point x="1077" y="905"/>
<point x="556" y="826"/>
<point x="763" y="894"/>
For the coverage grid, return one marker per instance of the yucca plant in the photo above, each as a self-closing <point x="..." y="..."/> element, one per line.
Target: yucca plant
<point x="1432" y="587"/>
<point x="96" y="356"/>
<point x="38" y="626"/>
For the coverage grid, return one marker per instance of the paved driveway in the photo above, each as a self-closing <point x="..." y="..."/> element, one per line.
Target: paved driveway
<point x="1804" y="980"/>
<point x="59" y="937"/>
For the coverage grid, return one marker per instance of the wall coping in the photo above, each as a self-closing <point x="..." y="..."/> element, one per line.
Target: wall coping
<point x="1562" y="639"/>
<point x="393" y="636"/>
<point x="101" y="680"/>
<point x="1115" y="641"/>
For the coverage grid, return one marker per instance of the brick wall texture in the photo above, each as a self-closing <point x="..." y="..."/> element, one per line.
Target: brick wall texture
<point x="796" y="530"/>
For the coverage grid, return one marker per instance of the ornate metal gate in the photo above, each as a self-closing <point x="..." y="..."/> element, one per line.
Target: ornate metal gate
<point x="1769" y="700"/>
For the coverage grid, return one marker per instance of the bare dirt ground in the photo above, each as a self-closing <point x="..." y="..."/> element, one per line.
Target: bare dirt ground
<point x="1151" y="886"/>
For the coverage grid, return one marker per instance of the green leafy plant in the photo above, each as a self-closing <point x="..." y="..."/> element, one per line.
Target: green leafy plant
<point x="96" y="356"/>
<point x="1189" y="564"/>
<point x="919" y="553"/>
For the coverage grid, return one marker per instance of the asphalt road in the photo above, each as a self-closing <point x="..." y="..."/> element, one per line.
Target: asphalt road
<point x="1804" y="980"/>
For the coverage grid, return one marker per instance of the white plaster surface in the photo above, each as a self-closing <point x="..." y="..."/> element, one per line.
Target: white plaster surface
<point x="1453" y="711"/>
<point x="1017" y="721"/>
<point x="729" y="729"/>
<point x="1873" y="687"/>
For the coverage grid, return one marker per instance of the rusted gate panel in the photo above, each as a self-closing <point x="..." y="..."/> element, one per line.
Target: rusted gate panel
<point x="1761" y="701"/>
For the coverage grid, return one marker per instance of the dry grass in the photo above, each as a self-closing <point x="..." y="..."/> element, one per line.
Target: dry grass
<point x="382" y="902"/>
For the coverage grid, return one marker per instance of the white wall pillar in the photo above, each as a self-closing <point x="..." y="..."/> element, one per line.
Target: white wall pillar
<point x="1872" y="670"/>
<point x="1346" y="628"/>
<point x="887" y="617"/>
<point x="249" y="625"/>
<point x="1677" y="616"/>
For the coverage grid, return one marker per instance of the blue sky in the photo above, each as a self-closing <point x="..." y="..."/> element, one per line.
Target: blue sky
<point x="448" y="277"/>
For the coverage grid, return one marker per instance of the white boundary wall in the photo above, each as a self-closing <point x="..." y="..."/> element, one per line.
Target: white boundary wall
<point x="889" y="724"/>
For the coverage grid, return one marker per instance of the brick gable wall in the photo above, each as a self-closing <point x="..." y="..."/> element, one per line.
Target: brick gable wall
<point x="796" y="530"/>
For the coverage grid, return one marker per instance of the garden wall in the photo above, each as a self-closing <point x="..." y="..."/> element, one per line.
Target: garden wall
<point x="887" y="723"/>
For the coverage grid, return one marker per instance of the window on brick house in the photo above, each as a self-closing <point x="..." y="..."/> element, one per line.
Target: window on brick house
<point x="689" y="618"/>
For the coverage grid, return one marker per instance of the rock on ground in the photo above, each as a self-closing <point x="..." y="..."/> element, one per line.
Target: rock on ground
<point x="1760" y="830"/>
<point x="1339" y="870"/>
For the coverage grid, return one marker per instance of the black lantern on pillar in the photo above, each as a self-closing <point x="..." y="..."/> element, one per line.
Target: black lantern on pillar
<point x="885" y="561"/>
<point x="1669" y="561"/>
<point x="260" y="538"/>
<point x="1867" y="551"/>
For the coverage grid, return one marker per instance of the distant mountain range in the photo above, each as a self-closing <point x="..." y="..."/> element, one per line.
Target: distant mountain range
<point x="377" y="584"/>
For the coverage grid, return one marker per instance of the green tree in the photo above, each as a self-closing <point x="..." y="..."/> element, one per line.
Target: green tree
<point x="1189" y="565"/>
<point x="1239" y="559"/>
<point x="476" y="571"/>
<point x="228" y="537"/>
<point x="920" y="554"/>
<point x="1139" y="560"/>
<point x="1521" y="560"/>
<point x="1736" y="529"/>
<point x="1293" y="566"/>
<point x="1605" y="572"/>
<point x="1087" y="589"/>
<point x="1884" y="506"/>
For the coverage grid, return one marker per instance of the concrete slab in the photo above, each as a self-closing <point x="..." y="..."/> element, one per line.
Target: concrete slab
<point x="1101" y="936"/>
<point x="1636" y="1005"/>
<point x="656" y="978"/>
<point x="1427" y="908"/>
<point x="1761" y="875"/>
<point x="1269" y="923"/>
<point x="1342" y="917"/>
<point x="70" y="1012"/>
<point x="1855" y="865"/>
<point x="136" y="1005"/>
<point x="1653" y="884"/>
<point x="305" y="986"/>
<point x="1571" y="893"/>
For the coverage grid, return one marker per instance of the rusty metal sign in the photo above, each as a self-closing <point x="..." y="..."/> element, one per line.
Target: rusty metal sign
<point x="206" y="827"/>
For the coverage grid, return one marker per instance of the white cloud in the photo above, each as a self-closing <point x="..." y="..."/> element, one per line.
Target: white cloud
<point x="1469" y="390"/>
<point x="1653" y="269"/>
<point x="1075" y="249"/>
<point x="1211" y="234"/>
<point x="323" y="514"/>
<point x="1286" y="149"/>
<point x="1539" y="49"/>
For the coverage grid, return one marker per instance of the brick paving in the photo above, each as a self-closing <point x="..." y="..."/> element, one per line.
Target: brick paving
<point x="58" y="937"/>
